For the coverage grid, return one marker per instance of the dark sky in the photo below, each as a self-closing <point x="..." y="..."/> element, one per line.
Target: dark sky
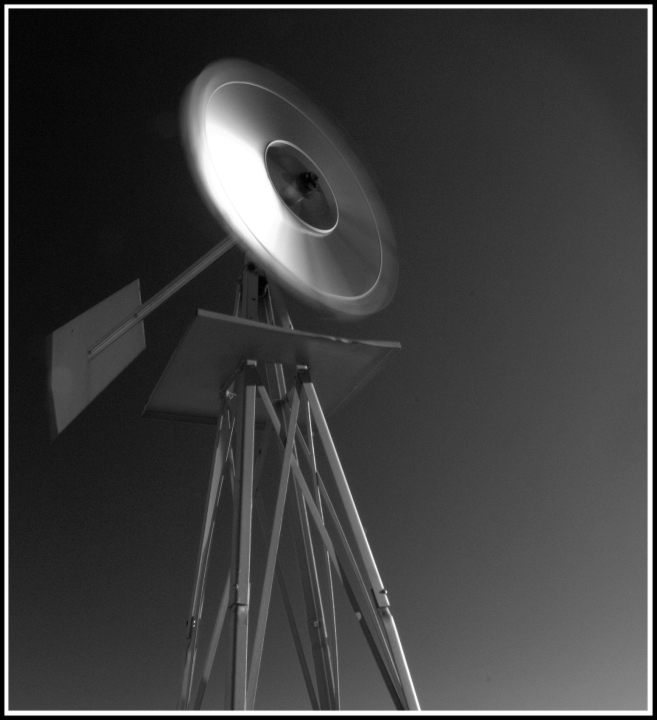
<point x="498" y="462"/>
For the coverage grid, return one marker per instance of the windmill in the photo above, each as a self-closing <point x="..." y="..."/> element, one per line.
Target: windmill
<point x="280" y="178"/>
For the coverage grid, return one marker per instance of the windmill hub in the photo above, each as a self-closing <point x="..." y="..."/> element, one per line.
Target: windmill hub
<point x="307" y="182"/>
<point x="302" y="186"/>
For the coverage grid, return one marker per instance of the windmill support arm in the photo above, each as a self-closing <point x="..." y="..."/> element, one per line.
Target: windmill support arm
<point x="152" y="303"/>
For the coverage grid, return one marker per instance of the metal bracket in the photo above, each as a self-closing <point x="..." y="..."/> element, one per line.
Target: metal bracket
<point x="190" y="625"/>
<point x="225" y="390"/>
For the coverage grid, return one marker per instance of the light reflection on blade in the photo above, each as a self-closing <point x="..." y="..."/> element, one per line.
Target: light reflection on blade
<point x="231" y="113"/>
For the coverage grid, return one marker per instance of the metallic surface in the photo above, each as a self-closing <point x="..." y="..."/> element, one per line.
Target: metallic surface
<point x="324" y="564"/>
<point x="87" y="353"/>
<point x="154" y="302"/>
<point x="364" y="607"/>
<point x="241" y="550"/>
<point x="272" y="553"/>
<point x="242" y="384"/>
<point x="74" y="380"/>
<point x="232" y="116"/>
<point x="215" y="344"/>
<point x="287" y="604"/>
<point x="222" y="445"/>
<point x="214" y="642"/>
<point x="315" y="617"/>
<point x="360" y="599"/>
<point x="345" y="492"/>
<point x="380" y="594"/>
<point x="363" y="603"/>
<point x="301" y="185"/>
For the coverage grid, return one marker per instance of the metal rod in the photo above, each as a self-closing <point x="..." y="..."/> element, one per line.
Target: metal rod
<point x="222" y="442"/>
<point x="214" y="642"/>
<point x="262" y="454"/>
<point x="363" y="609"/>
<point x="375" y="634"/>
<point x="319" y="523"/>
<point x="345" y="492"/>
<point x="277" y="297"/>
<point x="313" y="603"/>
<point x="271" y="320"/>
<point x="223" y="606"/>
<point x="250" y="292"/>
<point x="394" y="691"/>
<point x="147" y="308"/>
<point x="278" y="428"/>
<point x="307" y="569"/>
<point x="266" y="311"/>
<point x="393" y="643"/>
<point x="277" y="383"/>
<point x="240" y="571"/>
<point x="326" y="683"/>
<point x="325" y="670"/>
<point x="325" y="564"/>
<point x="400" y="658"/>
<point x="280" y="579"/>
<point x="265" y="597"/>
<point x="370" y="618"/>
<point x="380" y="594"/>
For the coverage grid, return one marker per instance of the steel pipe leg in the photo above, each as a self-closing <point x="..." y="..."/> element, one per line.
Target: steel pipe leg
<point x="222" y="443"/>
<point x="214" y="642"/>
<point x="380" y="594"/>
<point x="312" y="594"/>
<point x="362" y="605"/>
<point x="280" y="578"/>
<point x="313" y="602"/>
<point x="325" y="565"/>
<point x="242" y="516"/>
<point x="271" y="558"/>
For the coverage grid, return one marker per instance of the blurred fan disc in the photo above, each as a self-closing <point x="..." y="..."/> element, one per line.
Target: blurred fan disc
<point x="281" y="178"/>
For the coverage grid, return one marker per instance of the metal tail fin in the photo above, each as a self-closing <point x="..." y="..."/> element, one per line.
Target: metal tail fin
<point x="73" y="380"/>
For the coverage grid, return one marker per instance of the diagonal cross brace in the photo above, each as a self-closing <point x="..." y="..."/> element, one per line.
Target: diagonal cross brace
<point x="363" y="610"/>
<point x="271" y="556"/>
<point x="222" y="447"/>
<point x="380" y="594"/>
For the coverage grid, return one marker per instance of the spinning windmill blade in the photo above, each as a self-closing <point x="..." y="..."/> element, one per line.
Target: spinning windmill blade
<point x="280" y="176"/>
<point x="284" y="183"/>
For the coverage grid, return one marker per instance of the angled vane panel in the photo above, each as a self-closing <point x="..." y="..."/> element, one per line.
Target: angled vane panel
<point x="74" y="380"/>
<point x="216" y="344"/>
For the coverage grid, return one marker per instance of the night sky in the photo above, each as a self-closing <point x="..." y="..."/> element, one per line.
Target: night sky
<point x="498" y="462"/>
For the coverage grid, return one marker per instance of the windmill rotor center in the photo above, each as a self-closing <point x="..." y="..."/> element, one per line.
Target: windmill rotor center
<point x="302" y="186"/>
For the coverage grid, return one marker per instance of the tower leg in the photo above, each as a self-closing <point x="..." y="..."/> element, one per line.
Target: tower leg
<point x="271" y="558"/>
<point x="313" y="603"/>
<point x="325" y="565"/>
<point x="312" y="591"/>
<point x="335" y="553"/>
<point x="359" y="597"/>
<point x="214" y="642"/>
<point x="380" y="594"/>
<point x="241" y="550"/>
<point x="287" y="604"/>
<point x="361" y="600"/>
<point x="222" y="442"/>
<point x="324" y="648"/>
